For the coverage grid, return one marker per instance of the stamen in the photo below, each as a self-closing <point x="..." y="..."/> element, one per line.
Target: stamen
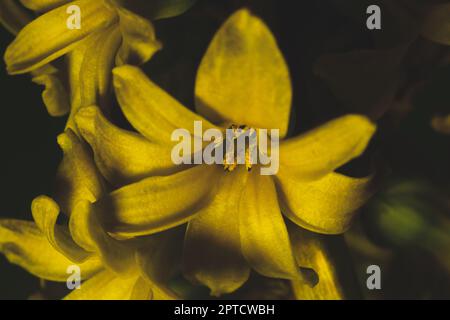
<point x="238" y="130"/>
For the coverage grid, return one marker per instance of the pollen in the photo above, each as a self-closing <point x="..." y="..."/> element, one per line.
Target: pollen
<point x="232" y="154"/>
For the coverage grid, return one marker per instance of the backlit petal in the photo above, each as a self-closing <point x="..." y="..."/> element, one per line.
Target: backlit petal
<point x="243" y="77"/>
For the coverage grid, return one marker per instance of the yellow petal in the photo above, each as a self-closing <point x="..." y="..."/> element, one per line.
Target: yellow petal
<point x="142" y="290"/>
<point x="139" y="40"/>
<point x="55" y="95"/>
<point x="264" y="238"/>
<point x="159" y="257"/>
<point x="324" y="149"/>
<point x="105" y="286"/>
<point x="13" y="16"/>
<point x="122" y="156"/>
<point x="212" y="250"/>
<point x="43" y="5"/>
<point x="25" y="245"/>
<point x="326" y="205"/>
<point x="47" y="37"/>
<point x="87" y="231"/>
<point x="160" y="9"/>
<point x="98" y="61"/>
<point x="77" y="176"/>
<point x="157" y="203"/>
<point x="313" y="254"/>
<point x="74" y="62"/>
<point x="45" y="213"/>
<point x="159" y="261"/>
<point x="243" y="77"/>
<point x="153" y="112"/>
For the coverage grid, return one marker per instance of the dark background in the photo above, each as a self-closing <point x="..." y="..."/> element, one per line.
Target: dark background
<point x="30" y="155"/>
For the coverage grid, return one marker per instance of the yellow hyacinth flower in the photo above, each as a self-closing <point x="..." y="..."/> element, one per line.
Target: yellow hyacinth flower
<point x="110" y="269"/>
<point x="234" y="216"/>
<point x="109" y="35"/>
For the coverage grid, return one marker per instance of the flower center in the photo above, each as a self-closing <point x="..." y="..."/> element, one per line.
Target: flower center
<point x="239" y="147"/>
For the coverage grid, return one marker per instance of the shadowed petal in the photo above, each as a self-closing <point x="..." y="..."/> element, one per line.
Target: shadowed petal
<point x="264" y="238"/>
<point x="318" y="257"/>
<point x="87" y="231"/>
<point x="212" y="250"/>
<point x="43" y="5"/>
<point x="13" y="16"/>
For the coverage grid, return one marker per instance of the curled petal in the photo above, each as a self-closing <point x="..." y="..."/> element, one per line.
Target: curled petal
<point x="45" y="213"/>
<point x="95" y="71"/>
<point x="25" y="245"/>
<point x="326" y="205"/>
<point x="324" y="274"/>
<point x="55" y="95"/>
<point x="139" y="40"/>
<point x="322" y="150"/>
<point x="122" y="156"/>
<point x="151" y="111"/>
<point x="47" y="37"/>
<point x="77" y="177"/>
<point x="243" y="77"/>
<point x="89" y="234"/>
<point x="157" y="203"/>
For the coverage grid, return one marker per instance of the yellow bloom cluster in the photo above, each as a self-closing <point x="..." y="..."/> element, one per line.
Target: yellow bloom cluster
<point x="135" y="219"/>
